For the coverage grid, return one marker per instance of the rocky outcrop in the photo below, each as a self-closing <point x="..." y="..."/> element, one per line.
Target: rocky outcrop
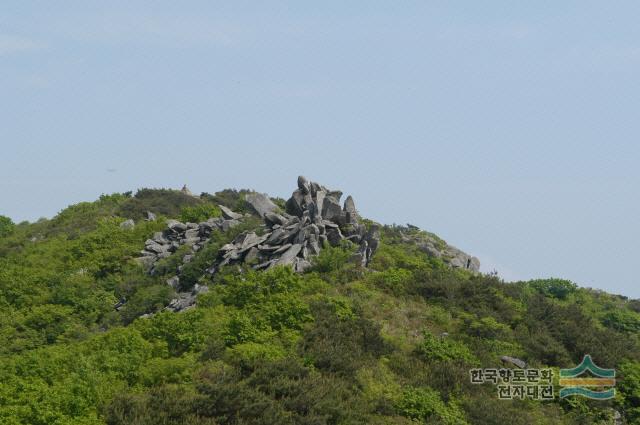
<point x="163" y="244"/>
<point x="196" y="235"/>
<point x="312" y="218"/>
<point x="436" y="247"/>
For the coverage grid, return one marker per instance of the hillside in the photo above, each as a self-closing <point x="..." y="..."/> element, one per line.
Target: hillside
<point x="161" y="307"/>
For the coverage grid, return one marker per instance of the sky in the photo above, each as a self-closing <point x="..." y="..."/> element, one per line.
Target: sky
<point x="508" y="128"/>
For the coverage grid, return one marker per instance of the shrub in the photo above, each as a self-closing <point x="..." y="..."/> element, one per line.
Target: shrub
<point x="393" y="280"/>
<point x="166" y="405"/>
<point x="148" y="299"/>
<point x="249" y="354"/>
<point x="622" y="320"/>
<point x="444" y="349"/>
<point x="425" y="405"/>
<point x="556" y="288"/>
<point x="164" y="202"/>
<point x="487" y="409"/>
<point x="486" y="327"/>
<point x="341" y="344"/>
<point x="629" y="387"/>
<point x="180" y="332"/>
<point x="244" y="328"/>
<point x="198" y="213"/>
<point x="6" y="226"/>
<point x="231" y="198"/>
<point x="332" y="259"/>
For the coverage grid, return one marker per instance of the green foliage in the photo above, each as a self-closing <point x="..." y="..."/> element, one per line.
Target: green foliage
<point x="199" y="213"/>
<point x="255" y="288"/>
<point x="486" y="327"/>
<point x="444" y="349"/>
<point x="84" y="216"/>
<point x="106" y="250"/>
<point x="6" y="226"/>
<point x="165" y="202"/>
<point x="622" y="320"/>
<point x="556" y="288"/>
<point x="243" y="328"/>
<point x="394" y="280"/>
<point x="174" y="370"/>
<point x="265" y="302"/>
<point x="181" y="333"/>
<point x="629" y="387"/>
<point x="281" y="392"/>
<point x="249" y="354"/>
<point x="338" y="345"/>
<point x="333" y="259"/>
<point x="482" y="408"/>
<point x="164" y="404"/>
<point x="425" y="405"/>
<point x="231" y="198"/>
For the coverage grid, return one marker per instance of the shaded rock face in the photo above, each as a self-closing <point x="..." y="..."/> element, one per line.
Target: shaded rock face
<point x="260" y="203"/>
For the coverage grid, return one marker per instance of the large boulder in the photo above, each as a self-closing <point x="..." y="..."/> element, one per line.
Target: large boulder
<point x="350" y="209"/>
<point x="331" y="209"/>
<point x="514" y="361"/>
<point x="303" y="185"/>
<point x="289" y="256"/>
<point x="260" y="203"/>
<point x="228" y="214"/>
<point x="295" y="204"/>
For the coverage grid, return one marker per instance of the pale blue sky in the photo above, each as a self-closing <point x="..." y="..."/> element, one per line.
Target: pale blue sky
<point x="510" y="130"/>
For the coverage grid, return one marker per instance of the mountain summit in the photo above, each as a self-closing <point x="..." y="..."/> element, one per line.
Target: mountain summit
<point x="162" y="307"/>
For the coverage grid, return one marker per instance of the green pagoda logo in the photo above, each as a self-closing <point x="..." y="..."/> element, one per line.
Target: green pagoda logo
<point x="598" y="386"/>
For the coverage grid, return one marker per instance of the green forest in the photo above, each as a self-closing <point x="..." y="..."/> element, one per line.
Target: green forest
<point x="391" y="343"/>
